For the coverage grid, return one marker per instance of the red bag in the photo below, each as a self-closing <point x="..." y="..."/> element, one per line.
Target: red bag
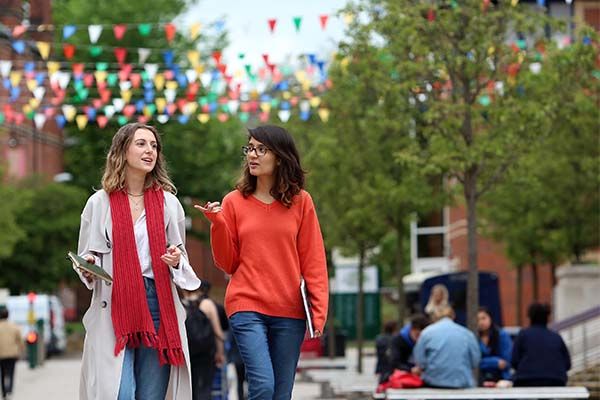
<point x="404" y="380"/>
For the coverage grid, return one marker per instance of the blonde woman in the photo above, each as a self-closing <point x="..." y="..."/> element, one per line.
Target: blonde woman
<point x="135" y="345"/>
<point x="438" y="300"/>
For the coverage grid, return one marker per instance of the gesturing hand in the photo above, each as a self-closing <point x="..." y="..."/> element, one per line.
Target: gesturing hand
<point x="172" y="256"/>
<point x="209" y="207"/>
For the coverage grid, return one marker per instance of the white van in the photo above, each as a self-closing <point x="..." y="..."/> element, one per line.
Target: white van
<point x="47" y="308"/>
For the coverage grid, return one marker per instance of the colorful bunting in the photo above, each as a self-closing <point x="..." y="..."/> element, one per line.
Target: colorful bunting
<point x="94" y="32"/>
<point x="119" y="31"/>
<point x="272" y="22"/>
<point x="195" y="30"/>
<point x="170" y="32"/>
<point x="323" y="20"/>
<point x="297" y="23"/>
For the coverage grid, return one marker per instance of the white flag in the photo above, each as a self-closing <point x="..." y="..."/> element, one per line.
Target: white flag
<point x="94" y="31"/>
<point x="5" y="67"/>
<point x="151" y="70"/>
<point x="39" y="119"/>
<point x="284" y="115"/>
<point x="143" y="54"/>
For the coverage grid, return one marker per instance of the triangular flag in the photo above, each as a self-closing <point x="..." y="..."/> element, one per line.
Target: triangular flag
<point x="118" y="103"/>
<point x="82" y="121"/>
<point x="144" y="29"/>
<point x="68" y="31"/>
<point x="284" y="115"/>
<point x="39" y="119"/>
<point x="297" y="23"/>
<point x="265" y="57"/>
<point x="120" y="54"/>
<point x="19" y="30"/>
<point x="119" y="31"/>
<point x="109" y="111"/>
<point x="5" y="67"/>
<point x="323" y="20"/>
<point x="193" y="57"/>
<point x="195" y="30"/>
<point x="217" y="56"/>
<point x="203" y="118"/>
<point x="163" y="119"/>
<point x="94" y="31"/>
<point x="39" y="92"/>
<point x="68" y="50"/>
<point x="170" y="32"/>
<point x="191" y="75"/>
<point x="151" y="70"/>
<point x="143" y="55"/>
<point x="15" y="78"/>
<point x="101" y="120"/>
<point x="69" y="112"/>
<point x="53" y="66"/>
<point x="324" y="114"/>
<point x="95" y="51"/>
<point x="272" y="22"/>
<point x="18" y="46"/>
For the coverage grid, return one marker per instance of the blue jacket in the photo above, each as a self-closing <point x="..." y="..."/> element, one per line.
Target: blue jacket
<point x="447" y="352"/>
<point x="540" y="354"/>
<point x="489" y="361"/>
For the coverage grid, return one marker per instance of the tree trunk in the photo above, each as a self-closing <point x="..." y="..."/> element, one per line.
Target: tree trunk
<point x="519" y="295"/>
<point x="400" y="275"/>
<point x="470" y="189"/>
<point x="534" y="282"/>
<point x="360" y="310"/>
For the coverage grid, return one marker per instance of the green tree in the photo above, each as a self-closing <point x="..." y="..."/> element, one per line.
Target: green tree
<point x="10" y="231"/>
<point x="49" y="215"/>
<point x="468" y="84"/>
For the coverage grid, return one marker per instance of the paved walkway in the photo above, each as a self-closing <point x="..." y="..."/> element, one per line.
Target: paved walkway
<point x="58" y="379"/>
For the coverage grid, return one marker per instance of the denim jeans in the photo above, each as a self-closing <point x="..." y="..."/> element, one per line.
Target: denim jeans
<point x="270" y="348"/>
<point x="143" y="378"/>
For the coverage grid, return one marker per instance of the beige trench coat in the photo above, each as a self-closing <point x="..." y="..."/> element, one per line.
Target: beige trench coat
<point x="101" y="369"/>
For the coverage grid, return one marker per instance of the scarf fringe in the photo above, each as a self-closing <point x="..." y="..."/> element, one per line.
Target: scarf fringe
<point x="134" y="339"/>
<point x="173" y="356"/>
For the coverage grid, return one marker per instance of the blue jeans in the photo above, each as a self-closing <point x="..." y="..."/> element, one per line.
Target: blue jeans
<point x="143" y="378"/>
<point x="270" y="348"/>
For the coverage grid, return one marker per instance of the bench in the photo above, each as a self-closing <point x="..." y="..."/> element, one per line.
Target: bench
<point x="574" y="392"/>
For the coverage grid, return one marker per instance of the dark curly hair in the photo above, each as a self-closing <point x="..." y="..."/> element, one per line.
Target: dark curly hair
<point x="289" y="175"/>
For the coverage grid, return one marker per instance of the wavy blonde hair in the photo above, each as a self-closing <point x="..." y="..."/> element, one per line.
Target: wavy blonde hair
<point x="113" y="178"/>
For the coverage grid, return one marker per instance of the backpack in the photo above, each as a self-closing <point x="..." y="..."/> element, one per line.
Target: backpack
<point x="200" y="334"/>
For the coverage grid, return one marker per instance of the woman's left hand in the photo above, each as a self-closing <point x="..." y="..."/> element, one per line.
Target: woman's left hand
<point x="172" y="256"/>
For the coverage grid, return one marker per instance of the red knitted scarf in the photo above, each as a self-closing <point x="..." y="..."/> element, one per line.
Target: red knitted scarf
<point x="131" y="317"/>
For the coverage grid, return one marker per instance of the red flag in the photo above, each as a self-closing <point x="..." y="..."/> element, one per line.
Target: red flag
<point x="119" y="31"/>
<point x="217" y="56"/>
<point x="68" y="50"/>
<point x="88" y="80"/>
<point x="323" y="19"/>
<point x="135" y="79"/>
<point x="78" y="68"/>
<point x="271" y="68"/>
<point x="170" y="32"/>
<point x="222" y="68"/>
<point x="96" y="103"/>
<point x="129" y="110"/>
<point x="169" y="74"/>
<point x="265" y="57"/>
<point x="101" y="120"/>
<point x="272" y="23"/>
<point x="120" y="54"/>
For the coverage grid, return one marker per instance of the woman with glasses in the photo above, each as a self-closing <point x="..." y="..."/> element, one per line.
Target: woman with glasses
<point x="266" y="235"/>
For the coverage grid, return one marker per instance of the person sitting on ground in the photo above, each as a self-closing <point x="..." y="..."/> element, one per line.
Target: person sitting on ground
<point x="446" y="353"/>
<point x="496" y="349"/>
<point x="540" y="356"/>
<point x="383" y="347"/>
<point x="404" y="343"/>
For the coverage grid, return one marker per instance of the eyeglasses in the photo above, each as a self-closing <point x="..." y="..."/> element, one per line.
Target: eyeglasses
<point x="259" y="150"/>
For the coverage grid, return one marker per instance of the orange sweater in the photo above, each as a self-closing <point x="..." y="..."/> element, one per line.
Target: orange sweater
<point x="266" y="248"/>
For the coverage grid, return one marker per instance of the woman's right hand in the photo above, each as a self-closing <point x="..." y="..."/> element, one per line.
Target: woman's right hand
<point x="88" y="276"/>
<point x="209" y="207"/>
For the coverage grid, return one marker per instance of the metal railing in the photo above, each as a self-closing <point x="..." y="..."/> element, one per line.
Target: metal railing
<point x="581" y="334"/>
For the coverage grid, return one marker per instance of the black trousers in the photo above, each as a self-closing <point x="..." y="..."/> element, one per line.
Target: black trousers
<point x="241" y="378"/>
<point x="203" y="372"/>
<point x="7" y="374"/>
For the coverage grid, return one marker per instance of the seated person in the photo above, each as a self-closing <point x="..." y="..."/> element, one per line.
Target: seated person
<point x="496" y="349"/>
<point x="404" y="342"/>
<point x="446" y="353"/>
<point x="540" y="356"/>
<point x="383" y="347"/>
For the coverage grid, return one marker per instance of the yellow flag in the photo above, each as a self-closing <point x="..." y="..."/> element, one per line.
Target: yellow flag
<point x="324" y="114"/>
<point x="265" y="106"/>
<point x="161" y="103"/>
<point x="287" y="95"/>
<point x="195" y="30"/>
<point x="514" y="2"/>
<point x="53" y="66"/>
<point x="126" y="96"/>
<point x="315" y="101"/>
<point x="31" y="84"/>
<point x="44" y="48"/>
<point x="203" y="118"/>
<point x="159" y="81"/>
<point x="193" y="57"/>
<point x="15" y="78"/>
<point x="199" y="68"/>
<point x="172" y="85"/>
<point x="69" y="112"/>
<point x="190" y="108"/>
<point x="34" y="103"/>
<point x="82" y="121"/>
<point x="100" y="76"/>
<point x="26" y="109"/>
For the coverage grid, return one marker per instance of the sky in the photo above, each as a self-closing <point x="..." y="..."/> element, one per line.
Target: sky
<point x="247" y="24"/>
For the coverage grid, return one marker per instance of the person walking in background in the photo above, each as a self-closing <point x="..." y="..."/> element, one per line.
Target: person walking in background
<point x="447" y="353"/>
<point x="266" y="235"/>
<point x="438" y="300"/>
<point x="209" y="353"/>
<point x="540" y="356"/>
<point x="134" y="228"/>
<point x="383" y="348"/>
<point x="496" y="349"/>
<point x="11" y="348"/>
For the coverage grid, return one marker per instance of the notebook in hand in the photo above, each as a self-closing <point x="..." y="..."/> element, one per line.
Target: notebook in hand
<point x="307" y="308"/>
<point x="93" y="269"/>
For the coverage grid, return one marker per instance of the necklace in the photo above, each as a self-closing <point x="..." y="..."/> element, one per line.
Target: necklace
<point x="135" y="195"/>
<point x="136" y="204"/>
